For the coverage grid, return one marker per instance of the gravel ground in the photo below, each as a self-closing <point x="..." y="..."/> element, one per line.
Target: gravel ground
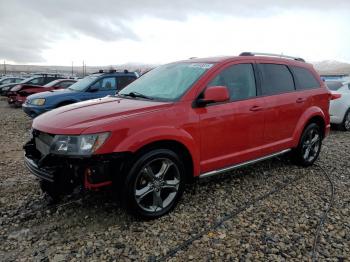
<point x="258" y="226"/>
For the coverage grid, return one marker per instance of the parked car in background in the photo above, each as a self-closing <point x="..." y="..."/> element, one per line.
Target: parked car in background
<point x="340" y="108"/>
<point x="193" y="118"/>
<point x="10" y="80"/>
<point x="38" y="80"/>
<point x="18" y="94"/>
<point x="94" y="86"/>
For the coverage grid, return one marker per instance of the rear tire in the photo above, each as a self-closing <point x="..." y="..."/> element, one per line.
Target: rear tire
<point x="309" y="146"/>
<point x="345" y="126"/>
<point x="154" y="184"/>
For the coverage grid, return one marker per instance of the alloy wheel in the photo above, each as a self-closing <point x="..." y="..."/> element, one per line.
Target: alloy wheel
<point x="157" y="185"/>
<point x="347" y="121"/>
<point x="311" y="145"/>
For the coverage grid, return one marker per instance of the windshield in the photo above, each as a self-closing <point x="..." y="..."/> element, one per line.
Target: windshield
<point x="52" y="83"/>
<point x="5" y="81"/>
<point x="334" y="85"/>
<point x="168" y="82"/>
<point x="28" y="80"/>
<point x="82" y="84"/>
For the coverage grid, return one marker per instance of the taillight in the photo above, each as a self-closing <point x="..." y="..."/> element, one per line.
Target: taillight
<point x="335" y="96"/>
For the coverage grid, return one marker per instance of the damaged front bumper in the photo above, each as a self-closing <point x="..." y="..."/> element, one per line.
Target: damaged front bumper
<point x="42" y="173"/>
<point x="68" y="172"/>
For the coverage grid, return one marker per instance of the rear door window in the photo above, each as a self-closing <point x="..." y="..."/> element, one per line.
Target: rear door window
<point x="276" y="79"/>
<point x="305" y="79"/>
<point x="106" y="84"/>
<point x="36" y="81"/>
<point x="123" y="81"/>
<point x="50" y="79"/>
<point x="239" y="79"/>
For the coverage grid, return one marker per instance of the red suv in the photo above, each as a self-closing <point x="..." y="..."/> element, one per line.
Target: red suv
<point x="193" y="118"/>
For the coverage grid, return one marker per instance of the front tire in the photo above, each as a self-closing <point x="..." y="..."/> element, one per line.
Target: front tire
<point x="154" y="184"/>
<point x="309" y="146"/>
<point x="51" y="190"/>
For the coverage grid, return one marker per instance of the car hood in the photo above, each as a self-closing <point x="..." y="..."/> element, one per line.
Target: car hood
<point x="75" y="118"/>
<point x="52" y="93"/>
<point x="24" y="87"/>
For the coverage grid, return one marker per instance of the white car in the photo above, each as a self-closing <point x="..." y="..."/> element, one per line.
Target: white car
<point x="340" y="108"/>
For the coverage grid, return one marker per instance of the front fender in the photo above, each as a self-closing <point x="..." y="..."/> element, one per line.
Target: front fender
<point x="140" y="139"/>
<point x="304" y="119"/>
<point x="57" y="103"/>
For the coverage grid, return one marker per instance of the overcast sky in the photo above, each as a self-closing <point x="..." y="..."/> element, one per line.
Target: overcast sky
<point x="158" y="31"/>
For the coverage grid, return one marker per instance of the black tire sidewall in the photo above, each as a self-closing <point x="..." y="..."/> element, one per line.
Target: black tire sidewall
<point x="128" y="194"/>
<point x="343" y="124"/>
<point x="299" y="152"/>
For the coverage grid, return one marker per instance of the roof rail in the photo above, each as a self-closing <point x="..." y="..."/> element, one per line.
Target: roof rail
<point x="274" y="55"/>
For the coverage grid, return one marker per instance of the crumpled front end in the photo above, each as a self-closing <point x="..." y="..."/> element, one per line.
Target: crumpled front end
<point x="67" y="172"/>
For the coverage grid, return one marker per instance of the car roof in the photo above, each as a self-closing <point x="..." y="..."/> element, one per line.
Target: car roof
<point x="224" y="59"/>
<point x="112" y="74"/>
<point x="11" y="77"/>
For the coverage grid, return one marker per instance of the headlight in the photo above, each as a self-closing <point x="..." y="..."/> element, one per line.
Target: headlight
<point x="78" y="145"/>
<point x="38" y="101"/>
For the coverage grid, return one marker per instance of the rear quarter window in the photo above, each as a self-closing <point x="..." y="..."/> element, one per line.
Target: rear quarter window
<point x="276" y="79"/>
<point x="305" y="79"/>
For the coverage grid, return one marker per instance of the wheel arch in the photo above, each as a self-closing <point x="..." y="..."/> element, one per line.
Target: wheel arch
<point x="319" y="121"/>
<point x="169" y="138"/>
<point x="179" y="148"/>
<point x="313" y="115"/>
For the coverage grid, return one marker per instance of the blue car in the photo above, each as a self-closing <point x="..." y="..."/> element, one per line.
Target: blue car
<point x="94" y="86"/>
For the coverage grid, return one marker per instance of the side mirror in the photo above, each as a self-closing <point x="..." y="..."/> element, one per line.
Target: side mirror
<point x="93" y="89"/>
<point x="214" y="94"/>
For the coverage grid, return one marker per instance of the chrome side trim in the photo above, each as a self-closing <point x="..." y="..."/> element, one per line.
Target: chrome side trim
<point x="250" y="162"/>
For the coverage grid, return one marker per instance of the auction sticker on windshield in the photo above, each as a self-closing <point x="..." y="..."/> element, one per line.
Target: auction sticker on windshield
<point x="201" y="65"/>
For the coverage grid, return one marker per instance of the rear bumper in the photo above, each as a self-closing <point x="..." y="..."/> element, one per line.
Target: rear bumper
<point x="336" y="120"/>
<point x="337" y="110"/>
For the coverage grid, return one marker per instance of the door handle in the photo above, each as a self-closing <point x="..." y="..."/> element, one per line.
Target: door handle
<point x="301" y="100"/>
<point x="256" y="108"/>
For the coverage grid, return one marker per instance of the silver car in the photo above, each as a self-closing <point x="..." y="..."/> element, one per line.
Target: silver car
<point x="339" y="109"/>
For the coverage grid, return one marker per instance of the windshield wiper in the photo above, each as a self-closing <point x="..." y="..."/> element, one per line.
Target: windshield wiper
<point x="137" y="94"/>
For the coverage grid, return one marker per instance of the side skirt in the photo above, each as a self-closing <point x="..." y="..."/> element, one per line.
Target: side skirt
<point x="250" y="162"/>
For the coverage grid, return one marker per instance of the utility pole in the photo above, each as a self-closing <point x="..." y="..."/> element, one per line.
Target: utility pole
<point x="72" y="68"/>
<point x="4" y="67"/>
<point x="83" y="69"/>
